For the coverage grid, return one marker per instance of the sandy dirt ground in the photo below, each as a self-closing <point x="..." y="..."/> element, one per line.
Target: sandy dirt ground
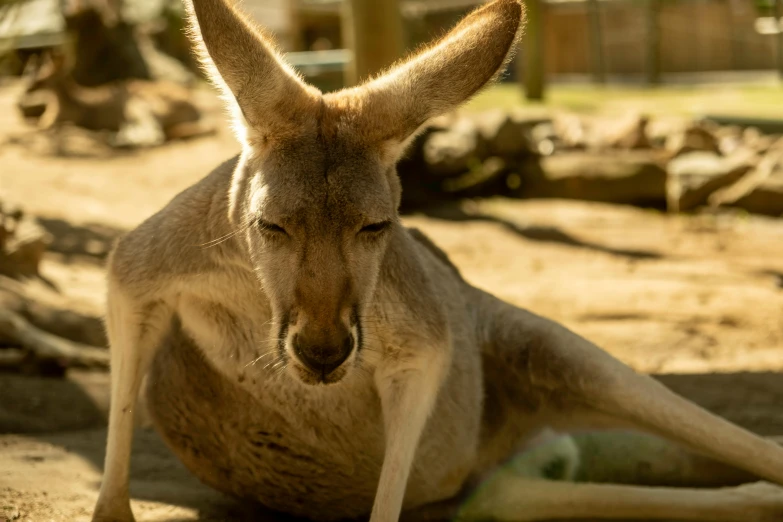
<point x="696" y="300"/>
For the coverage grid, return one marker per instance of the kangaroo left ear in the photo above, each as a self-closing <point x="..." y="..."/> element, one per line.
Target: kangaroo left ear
<point x="390" y="108"/>
<point x="242" y="61"/>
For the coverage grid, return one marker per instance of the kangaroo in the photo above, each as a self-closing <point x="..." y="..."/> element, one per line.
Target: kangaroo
<point x="115" y="107"/>
<point x="304" y="349"/>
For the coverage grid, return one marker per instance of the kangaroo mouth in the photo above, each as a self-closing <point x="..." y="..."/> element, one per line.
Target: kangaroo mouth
<point x="312" y="378"/>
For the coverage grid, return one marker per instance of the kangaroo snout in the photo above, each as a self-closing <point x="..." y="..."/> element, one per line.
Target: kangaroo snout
<point x="323" y="350"/>
<point x="320" y="357"/>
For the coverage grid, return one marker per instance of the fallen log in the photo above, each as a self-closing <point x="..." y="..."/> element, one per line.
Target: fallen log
<point x="17" y="331"/>
<point x="73" y="326"/>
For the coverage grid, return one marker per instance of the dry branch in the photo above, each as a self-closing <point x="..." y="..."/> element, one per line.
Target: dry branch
<point x="16" y="330"/>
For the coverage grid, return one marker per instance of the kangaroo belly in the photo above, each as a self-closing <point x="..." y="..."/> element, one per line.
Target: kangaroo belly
<point x="312" y="452"/>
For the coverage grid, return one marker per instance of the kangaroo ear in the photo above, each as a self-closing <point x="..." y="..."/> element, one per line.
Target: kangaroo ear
<point x="390" y="108"/>
<point x="267" y="97"/>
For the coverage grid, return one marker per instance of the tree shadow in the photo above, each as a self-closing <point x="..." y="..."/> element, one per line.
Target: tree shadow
<point x="454" y="212"/>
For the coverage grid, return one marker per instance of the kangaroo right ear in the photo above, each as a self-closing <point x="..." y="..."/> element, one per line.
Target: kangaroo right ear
<point x="271" y="99"/>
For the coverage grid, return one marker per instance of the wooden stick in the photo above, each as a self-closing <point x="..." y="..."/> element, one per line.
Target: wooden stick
<point x="16" y="329"/>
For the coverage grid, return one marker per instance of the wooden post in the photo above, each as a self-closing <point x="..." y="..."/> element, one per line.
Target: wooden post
<point x="596" y="42"/>
<point x="779" y="35"/>
<point x="372" y="30"/>
<point x="533" y="52"/>
<point x="653" y="41"/>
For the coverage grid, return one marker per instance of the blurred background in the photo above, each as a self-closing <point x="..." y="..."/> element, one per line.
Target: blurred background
<point x="624" y="177"/>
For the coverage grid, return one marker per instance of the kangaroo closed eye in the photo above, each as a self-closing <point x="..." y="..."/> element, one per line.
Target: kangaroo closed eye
<point x="375" y="228"/>
<point x="266" y="226"/>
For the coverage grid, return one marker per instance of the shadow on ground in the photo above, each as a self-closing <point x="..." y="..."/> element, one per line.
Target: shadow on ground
<point x="91" y="241"/>
<point x="455" y="212"/>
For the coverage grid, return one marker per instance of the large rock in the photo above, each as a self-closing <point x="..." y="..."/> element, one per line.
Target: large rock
<point x="637" y="177"/>
<point x="760" y="191"/>
<point x="629" y="133"/>
<point x="33" y="104"/>
<point x="572" y="131"/>
<point x="23" y="243"/>
<point x="661" y="128"/>
<point x="766" y="198"/>
<point x="544" y="139"/>
<point x="729" y="139"/>
<point x="754" y="139"/>
<point x="453" y="150"/>
<point x="506" y="134"/>
<point x="694" y="176"/>
<point x="487" y="180"/>
<point x="694" y="137"/>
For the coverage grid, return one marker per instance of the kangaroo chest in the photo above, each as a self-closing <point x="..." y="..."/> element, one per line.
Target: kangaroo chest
<point x="254" y="432"/>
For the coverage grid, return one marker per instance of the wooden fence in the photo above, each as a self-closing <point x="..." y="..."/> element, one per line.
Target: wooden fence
<point x="695" y="36"/>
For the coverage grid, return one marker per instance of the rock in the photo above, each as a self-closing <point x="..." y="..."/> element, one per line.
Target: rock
<point x="694" y="176"/>
<point x="486" y="180"/>
<point x="506" y="135"/>
<point x="454" y="150"/>
<point x="729" y="139"/>
<point x="760" y="191"/>
<point x="766" y="198"/>
<point x="753" y="138"/>
<point x="637" y="177"/>
<point x="571" y="131"/>
<point x="776" y="145"/>
<point x="140" y="127"/>
<point x="659" y="129"/>
<point x="628" y="133"/>
<point x="544" y="139"/>
<point x="33" y="104"/>
<point x="23" y="247"/>
<point x="695" y="137"/>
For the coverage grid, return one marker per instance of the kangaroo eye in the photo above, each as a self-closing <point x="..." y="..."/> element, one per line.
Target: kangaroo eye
<point x="376" y="228"/>
<point x="271" y="228"/>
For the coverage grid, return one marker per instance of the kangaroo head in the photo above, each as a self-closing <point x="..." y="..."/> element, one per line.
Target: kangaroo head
<point x="315" y="193"/>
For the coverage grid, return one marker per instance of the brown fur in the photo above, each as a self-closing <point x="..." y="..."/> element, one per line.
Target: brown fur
<point x="239" y="293"/>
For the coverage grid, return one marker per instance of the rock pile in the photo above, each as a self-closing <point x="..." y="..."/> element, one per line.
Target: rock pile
<point x="637" y="160"/>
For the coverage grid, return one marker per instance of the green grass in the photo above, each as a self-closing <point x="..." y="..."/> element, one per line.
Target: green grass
<point x="763" y="100"/>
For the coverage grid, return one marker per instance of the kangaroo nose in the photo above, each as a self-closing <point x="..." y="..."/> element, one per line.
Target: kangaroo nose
<point x="322" y="358"/>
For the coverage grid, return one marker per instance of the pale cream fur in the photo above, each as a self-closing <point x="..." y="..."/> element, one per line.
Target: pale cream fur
<point x="308" y="351"/>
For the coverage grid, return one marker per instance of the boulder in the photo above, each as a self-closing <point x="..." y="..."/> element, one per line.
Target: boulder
<point x="760" y="191"/>
<point x="628" y="133"/>
<point x="660" y="128"/>
<point x="571" y="130"/>
<point x="544" y="139"/>
<point x="754" y="139"/>
<point x="694" y="137"/>
<point x="453" y="150"/>
<point x="694" y="176"/>
<point x="729" y="139"/>
<point x="23" y="243"/>
<point x="505" y="134"/>
<point x="636" y="177"/>
<point x="486" y="180"/>
<point x="33" y="104"/>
